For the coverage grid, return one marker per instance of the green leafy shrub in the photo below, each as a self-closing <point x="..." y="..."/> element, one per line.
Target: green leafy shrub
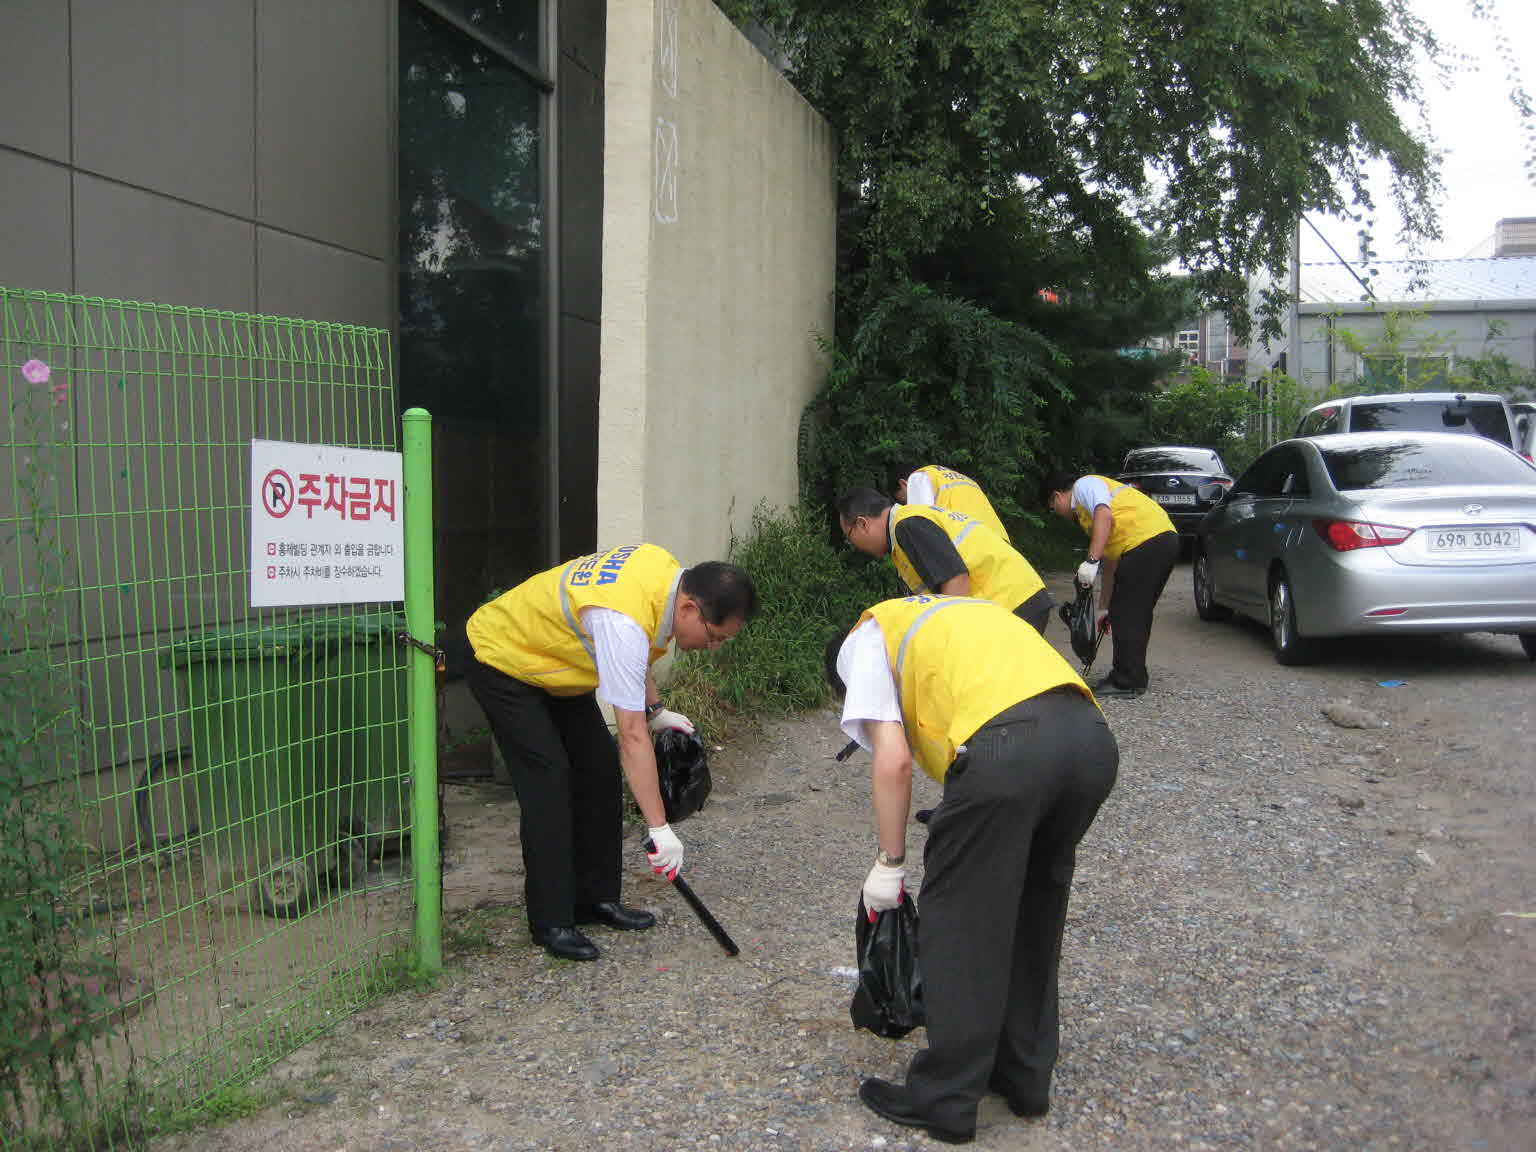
<point x="808" y="588"/>
<point x="929" y="378"/>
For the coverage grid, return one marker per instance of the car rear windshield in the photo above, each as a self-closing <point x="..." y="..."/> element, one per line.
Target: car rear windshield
<point x="1172" y="460"/>
<point x="1482" y="417"/>
<point x="1415" y="464"/>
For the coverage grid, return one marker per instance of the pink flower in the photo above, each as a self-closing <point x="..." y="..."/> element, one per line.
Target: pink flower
<point x="60" y="392"/>
<point x="36" y="372"/>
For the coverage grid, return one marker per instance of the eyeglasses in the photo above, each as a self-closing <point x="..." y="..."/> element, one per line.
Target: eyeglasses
<point x="715" y="637"/>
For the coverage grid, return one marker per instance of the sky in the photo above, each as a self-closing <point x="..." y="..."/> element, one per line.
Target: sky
<point x="1473" y="122"/>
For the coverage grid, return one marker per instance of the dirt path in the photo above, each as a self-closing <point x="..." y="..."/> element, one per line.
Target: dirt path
<point x="1284" y="935"/>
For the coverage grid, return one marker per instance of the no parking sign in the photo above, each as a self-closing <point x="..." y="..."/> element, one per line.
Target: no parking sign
<point x="326" y="525"/>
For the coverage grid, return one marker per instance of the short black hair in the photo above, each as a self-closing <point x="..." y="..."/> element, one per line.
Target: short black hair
<point x="722" y="591"/>
<point x="858" y="502"/>
<point x="829" y="658"/>
<point x="1058" y="481"/>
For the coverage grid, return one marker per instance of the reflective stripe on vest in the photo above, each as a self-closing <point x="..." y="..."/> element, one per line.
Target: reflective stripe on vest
<point x="534" y="633"/>
<point x="947" y="687"/>
<point x="1137" y="518"/>
<point x="997" y="571"/>
<point x="973" y="503"/>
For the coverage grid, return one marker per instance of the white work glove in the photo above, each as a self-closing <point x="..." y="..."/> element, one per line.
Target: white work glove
<point x="883" y="888"/>
<point x="664" y="851"/>
<point x="1087" y="573"/>
<point x="666" y="719"/>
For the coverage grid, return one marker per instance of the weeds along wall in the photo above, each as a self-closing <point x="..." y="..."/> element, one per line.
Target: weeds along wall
<point x="205" y="808"/>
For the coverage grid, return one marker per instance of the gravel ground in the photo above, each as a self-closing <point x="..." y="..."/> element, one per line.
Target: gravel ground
<point x="1284" y="934"/>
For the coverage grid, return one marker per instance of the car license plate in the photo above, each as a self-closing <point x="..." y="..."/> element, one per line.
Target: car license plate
<point x="1168" y="498"/>
<point x="1474" y="540"/>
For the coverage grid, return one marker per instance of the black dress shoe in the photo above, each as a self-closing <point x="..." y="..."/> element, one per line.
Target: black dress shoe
<point x="1109" y="686"/>
<point x="1026" y="1106"/>
<point x="566" y="942"/>
<point x="615" y="915"/>
<point x="890" y="1100"/>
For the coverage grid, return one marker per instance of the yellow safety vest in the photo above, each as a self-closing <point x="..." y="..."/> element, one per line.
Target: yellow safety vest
<point x="998" y="572"/>
<point x="956" y="492"/>
<point x="958" y="662"/>
<point x="1137" y="518"/>
<point x="534" y="634"/>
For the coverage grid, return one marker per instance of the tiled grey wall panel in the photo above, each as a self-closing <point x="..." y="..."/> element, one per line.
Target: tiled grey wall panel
<point x="298" y="277"/>
<point x="164" y="97"/>
<point x="34" y="76"/>
<point x="323" y="120"/>
<point x="140" y="246"/>
<point x="34" y="223"/>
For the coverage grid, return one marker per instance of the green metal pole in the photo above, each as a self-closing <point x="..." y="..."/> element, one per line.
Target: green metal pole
<point x="425" y="862"/>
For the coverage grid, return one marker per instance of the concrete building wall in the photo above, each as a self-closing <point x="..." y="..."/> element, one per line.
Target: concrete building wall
<point x="719" y="240"/>
<point x="218" y="153"/>
<point x="1454" y="329"/>
<point x="227" y="154"/>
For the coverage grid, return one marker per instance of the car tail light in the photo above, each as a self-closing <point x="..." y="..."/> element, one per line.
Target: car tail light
<point x="1347" y="535"/>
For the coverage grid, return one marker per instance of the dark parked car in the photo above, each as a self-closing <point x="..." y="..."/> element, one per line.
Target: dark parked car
<point x="1367" y="533"/>
<point x="1173" y="476"/>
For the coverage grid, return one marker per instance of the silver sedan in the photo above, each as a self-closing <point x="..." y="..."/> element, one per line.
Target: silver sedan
<point x="1374" y="532"/>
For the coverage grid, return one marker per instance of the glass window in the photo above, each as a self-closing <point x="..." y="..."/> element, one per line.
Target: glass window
<point x="1416" y="463"/>
<point x="1320" y="422"/>
<point x="1480" y="417"/>
<point x="1172" y="460"/>
<point x="1260" y="476"/>
<point x="513" y="24"/>
<point x="473" y="299"/>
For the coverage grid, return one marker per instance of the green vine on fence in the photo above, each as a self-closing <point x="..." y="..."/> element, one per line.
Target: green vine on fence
<point x="54" y="988"/>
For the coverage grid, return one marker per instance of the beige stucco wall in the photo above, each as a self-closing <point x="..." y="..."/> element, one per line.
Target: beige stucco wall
<point x="719" y="232"/>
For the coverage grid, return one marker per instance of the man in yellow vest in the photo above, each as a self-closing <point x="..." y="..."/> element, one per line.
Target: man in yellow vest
<point x="990" y="710"/>
<point x="952" y="491"/>
<point x="1136" y="544"/>
<point x="544" y="653"/>
<point x="944" y="552"/>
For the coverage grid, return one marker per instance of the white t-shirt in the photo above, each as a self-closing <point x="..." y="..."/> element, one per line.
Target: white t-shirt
<point x="920" y="489"/>
<point x="623" y="656"/>
<point x="869" y="689"/>
<point x="1089" y="492"/>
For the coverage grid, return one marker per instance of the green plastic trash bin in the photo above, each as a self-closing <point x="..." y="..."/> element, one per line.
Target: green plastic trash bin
<point x="298" y="741"/>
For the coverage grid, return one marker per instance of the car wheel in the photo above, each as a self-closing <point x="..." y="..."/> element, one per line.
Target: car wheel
<point x="1206" y="607"/>
<point x="1528" y="642"/>
<point x="1289" y="647"/>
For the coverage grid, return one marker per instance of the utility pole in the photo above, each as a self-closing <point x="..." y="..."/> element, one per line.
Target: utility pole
<point x="1293" y="354"/>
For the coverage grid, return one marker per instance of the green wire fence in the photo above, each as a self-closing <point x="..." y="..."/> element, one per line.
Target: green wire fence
<point x="206" y="811"/>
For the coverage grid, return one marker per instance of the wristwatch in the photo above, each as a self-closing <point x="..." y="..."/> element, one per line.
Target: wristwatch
<point x="652" y="709"/>
<point x="886" y="860"/>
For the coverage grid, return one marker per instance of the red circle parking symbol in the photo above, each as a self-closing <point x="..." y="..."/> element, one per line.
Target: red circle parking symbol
<point x="277" y="493"/>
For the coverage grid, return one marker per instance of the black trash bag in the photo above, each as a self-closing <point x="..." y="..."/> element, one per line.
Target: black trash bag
<point x="682" y="770"/>
<point x="1082" y="625"/>
<point x="889" y="998"/>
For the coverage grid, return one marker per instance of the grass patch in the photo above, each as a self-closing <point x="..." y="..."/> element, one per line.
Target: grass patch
<point x="808" y="588"/>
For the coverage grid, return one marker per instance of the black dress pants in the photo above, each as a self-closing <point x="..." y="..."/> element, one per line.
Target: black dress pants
<point x="1002" y="847"/>
<point x="1036" y="611"/>
<point x="1140" y="577"/>
<point x="565" y="768"/>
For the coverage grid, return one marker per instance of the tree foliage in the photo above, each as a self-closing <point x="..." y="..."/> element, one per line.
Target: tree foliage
<point x="1215" y="123"/>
